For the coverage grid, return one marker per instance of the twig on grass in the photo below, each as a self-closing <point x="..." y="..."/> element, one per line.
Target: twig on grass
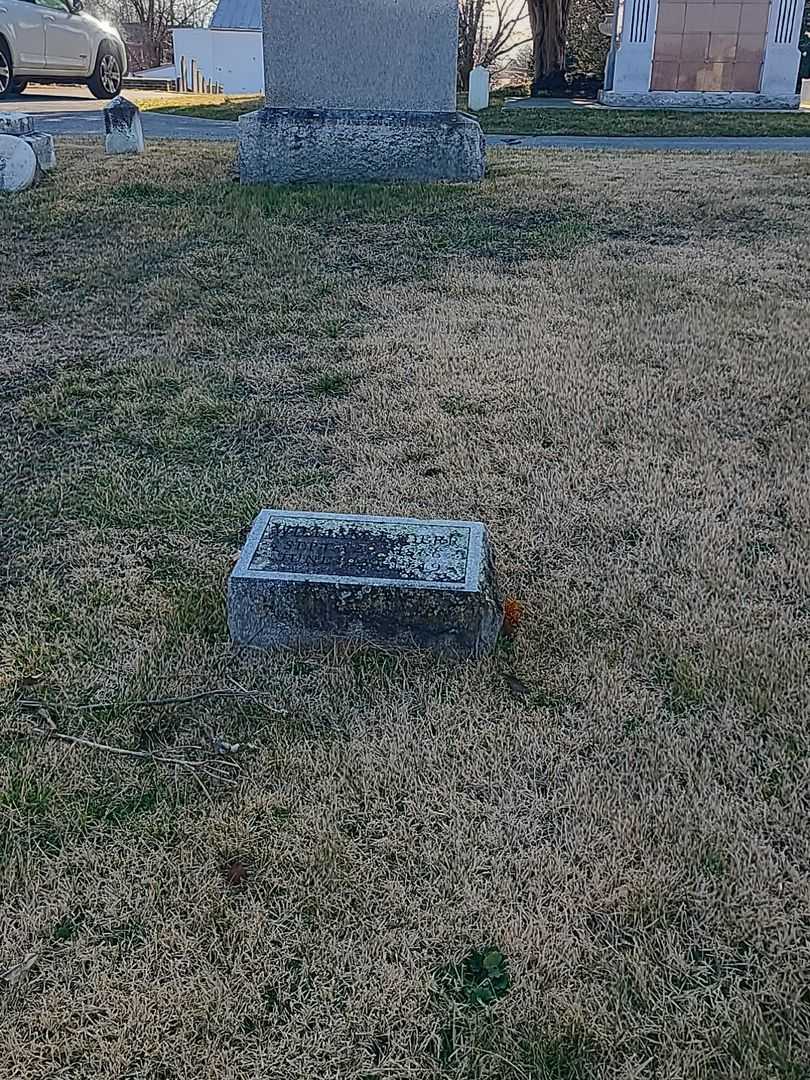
<point x="215" y="768"/>
<point x="17" y="972"/>
<point x="156" y="702"/>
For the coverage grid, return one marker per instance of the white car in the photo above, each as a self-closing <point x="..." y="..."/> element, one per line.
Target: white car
<point x="55" y="41"/>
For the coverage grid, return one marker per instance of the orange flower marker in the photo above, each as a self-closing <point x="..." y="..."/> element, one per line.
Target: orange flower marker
<point x="512" y="614"/>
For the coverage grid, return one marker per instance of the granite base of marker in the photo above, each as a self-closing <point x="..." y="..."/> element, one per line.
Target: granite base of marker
<point x="310" y="580"/>
<point x="276" y="615"/>
<point x="294" y="146"/>
<point x="687" y="99"/>
<point x="43" y="146"/>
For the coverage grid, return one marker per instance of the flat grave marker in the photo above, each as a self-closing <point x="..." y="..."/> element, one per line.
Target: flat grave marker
<point x="311" y="578"/>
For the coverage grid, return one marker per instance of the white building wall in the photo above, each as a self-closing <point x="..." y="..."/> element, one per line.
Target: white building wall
<point x="230" y="57"/>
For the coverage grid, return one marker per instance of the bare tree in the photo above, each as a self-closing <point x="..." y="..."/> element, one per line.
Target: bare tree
<point x="486" y="29"/>
<point x="157" y="18"/>
<point x="548" y="20"/>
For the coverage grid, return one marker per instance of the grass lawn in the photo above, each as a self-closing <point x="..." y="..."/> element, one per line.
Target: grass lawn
<point x="674" y="122"/>
<point x="573" y="121"/>
<point x="206" y="106"/>
<point x="604" y="358"/>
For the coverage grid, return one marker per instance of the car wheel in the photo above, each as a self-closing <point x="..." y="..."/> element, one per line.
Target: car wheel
<point x="6" y="72"/>
<point x="106" y="80"/>
<point x="19" y="86"/>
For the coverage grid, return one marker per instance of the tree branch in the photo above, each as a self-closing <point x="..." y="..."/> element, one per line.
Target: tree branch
<point x="227" y="692"/>
<point x="216" y="768"/>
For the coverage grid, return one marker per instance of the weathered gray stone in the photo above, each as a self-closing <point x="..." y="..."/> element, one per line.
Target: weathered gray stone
<point x="376" y="55"/>
<point x="122" y="122"/>
<point x="360" y="90"/>
<point x="42" y="145"/>
<point x="309" y="579"/>
<point x="287" y="146"/>
<point x="21" y="125"/>
<point x="15" y="123"/>
<point x="687" y="99"/>
<point x="18" y="164"/>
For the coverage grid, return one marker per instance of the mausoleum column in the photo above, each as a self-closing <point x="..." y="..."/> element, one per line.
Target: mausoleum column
<point x="633" y="61"/>
<point x="780" y="69"/>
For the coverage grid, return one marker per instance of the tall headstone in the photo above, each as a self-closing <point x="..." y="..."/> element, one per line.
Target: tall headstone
<point x="478" y="97"/>
<point x="359" y="90"/>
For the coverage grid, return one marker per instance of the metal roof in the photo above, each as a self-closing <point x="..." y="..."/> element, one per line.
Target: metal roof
<point x="237" y="15"/>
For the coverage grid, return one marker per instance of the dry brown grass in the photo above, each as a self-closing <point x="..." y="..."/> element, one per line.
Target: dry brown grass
<point x="605" y="358"/>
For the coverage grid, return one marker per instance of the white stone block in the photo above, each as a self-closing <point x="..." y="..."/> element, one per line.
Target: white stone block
<point x="805" y="98"/>
<point x="15" y="124"/>
<point x="122" y="122"/>
<point x="42" y="145"/>
<point x="18" y="164"/>
<point x="479" y="89"/>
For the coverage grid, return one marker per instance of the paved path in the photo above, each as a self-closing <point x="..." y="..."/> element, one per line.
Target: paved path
<point x="800" y="144"/>
<point x="552" y="103"/>
<point x="155" y="125"/>
<point x="72" y="111"/>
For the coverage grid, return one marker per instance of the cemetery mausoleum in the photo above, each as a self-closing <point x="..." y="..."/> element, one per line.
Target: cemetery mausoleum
<point x="704" y="53"/>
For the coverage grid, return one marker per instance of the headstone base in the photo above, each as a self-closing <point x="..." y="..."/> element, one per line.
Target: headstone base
<point x="42" y="145"/>
<point x="305" y="146"/>
<point x="688" y="99"/>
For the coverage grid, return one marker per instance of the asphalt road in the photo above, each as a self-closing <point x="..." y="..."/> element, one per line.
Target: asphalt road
<point x="798" y="145"/>
<point x="73" y="111"/>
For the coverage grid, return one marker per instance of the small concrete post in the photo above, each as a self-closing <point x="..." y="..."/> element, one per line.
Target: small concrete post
<point x="192" y="75"/>
<point x="804" y="103"/>
<point x="122" y="122"/>
<point x="479" y="89"/>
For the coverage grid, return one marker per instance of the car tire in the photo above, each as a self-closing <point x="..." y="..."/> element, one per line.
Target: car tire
<point x="6" y="72"/>
<point x="108" y="77"/>
<point x="19" y="86"/>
